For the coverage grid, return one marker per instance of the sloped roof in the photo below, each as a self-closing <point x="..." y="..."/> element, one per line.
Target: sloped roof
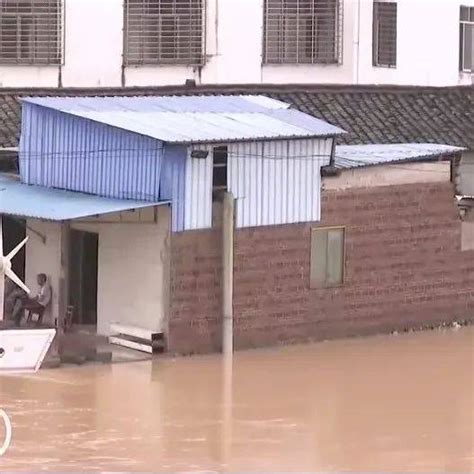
<point x="195" y="118"/>
<point x="39" y="202"/>
<point x="357" y="156"/>
<point x="371" y="114"/>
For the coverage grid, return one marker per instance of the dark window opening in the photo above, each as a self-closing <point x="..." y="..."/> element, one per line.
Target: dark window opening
<point x="384" y="49"/>
<point x="219" y="171"/>
<point x="466" y="40"/>
<point x="8" y="162"/>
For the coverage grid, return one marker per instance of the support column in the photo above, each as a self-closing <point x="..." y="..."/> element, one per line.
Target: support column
<point x="63" y="292"/>
<point x="2" y="276"/>
<point x="227" y="273"/>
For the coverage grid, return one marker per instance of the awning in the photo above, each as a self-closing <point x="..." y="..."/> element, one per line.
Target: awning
<point x="356" y="156"/>
<point x="22" y="200"/>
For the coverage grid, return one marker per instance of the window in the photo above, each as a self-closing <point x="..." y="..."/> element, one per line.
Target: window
<point x="466" y="60"/>
<point x="219" y="171"/>
<point x="30" y="32"/>
<point x="302" y="31"/>
<point x="385" y="34"/>
<point x="164" y="32"/>
<point x="327" y="257"/>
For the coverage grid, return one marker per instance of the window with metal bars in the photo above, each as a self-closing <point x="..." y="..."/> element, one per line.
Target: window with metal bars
<point x="219" y="171"/>
<point x="30" y="32"/>
<point x="164" y="32"/>
<point x="385" y="34"/>
<point x="302" y="31"/>
<point x="466" y="51"/>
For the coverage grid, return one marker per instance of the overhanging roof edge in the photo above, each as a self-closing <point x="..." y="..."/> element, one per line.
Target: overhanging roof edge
<point x="50" y="204"/>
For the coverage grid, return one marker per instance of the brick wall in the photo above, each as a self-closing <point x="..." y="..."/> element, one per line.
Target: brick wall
<point x="404" y="269"/>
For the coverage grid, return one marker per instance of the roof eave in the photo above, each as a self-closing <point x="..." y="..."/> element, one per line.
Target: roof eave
<point x="253" y="139"/>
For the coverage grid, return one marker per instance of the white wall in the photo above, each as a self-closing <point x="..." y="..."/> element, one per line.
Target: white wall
<point x="133" y="272"/>
<point x="428" y="45"/>
<point x="44" y="258"/>
<point x="133" y="268"/>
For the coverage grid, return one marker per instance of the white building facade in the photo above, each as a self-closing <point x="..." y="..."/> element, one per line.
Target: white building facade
<point x="113" y="43"/>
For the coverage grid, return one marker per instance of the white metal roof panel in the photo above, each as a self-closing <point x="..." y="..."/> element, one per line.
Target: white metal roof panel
<point x="355" y="156"/>
<point x="38" y="202"/>
<point x="195" y="119"/>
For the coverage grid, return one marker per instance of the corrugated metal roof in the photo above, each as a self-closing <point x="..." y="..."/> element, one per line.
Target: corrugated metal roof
<point x="22" y="200"/>
<point x="195" y="119"/>
<point x="355" y="156"/>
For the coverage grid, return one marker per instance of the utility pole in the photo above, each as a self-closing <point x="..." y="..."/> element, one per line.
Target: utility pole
<point x="227" y="273"/>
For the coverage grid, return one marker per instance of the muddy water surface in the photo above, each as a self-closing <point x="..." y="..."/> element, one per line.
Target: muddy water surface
<point x="390" y="403"/>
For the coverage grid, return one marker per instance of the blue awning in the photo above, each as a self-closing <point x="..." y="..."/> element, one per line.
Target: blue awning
<point x="22" y="200"/>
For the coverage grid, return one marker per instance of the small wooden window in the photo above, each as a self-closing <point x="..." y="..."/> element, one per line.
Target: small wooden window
<point x="385" y="34"/>
<point x="327" y="257"/>
<point x="219" y="171"/>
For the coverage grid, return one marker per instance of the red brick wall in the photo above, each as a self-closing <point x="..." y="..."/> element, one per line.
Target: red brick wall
<point x="404" y="269"/>
<point x="195" y="297"/>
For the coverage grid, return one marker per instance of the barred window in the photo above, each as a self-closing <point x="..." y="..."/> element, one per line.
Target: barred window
<point x="219" y="170"/>
<point x="466" y="60"/>
<point x="164" y="32"/>
<point x="385" y="34"/>
<point x="30" y="32"/>
<point x="302" y="31"/>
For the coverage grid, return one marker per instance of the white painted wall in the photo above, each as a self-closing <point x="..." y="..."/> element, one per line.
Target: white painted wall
<point x="133" y="270"/>
<point x="44" y="258"/>
<point x="387" y="175"/>
<point x="428" y="47"/>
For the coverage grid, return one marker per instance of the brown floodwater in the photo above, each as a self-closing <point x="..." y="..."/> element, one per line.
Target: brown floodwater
<point x="390" y="403"/>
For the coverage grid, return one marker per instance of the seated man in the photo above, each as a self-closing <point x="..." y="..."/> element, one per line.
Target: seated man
<point x="37" y="303"/>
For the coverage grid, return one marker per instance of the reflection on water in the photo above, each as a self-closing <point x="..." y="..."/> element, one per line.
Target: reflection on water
<point x="395" y="403"/>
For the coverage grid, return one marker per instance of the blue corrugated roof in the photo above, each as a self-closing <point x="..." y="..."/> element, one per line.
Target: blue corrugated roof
<point x="195" y="119"/>
<point x="355" y="156"/>
<point x="38" y="202"/>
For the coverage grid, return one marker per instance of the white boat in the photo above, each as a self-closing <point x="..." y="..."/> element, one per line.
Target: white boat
<point x="23" y="350"/>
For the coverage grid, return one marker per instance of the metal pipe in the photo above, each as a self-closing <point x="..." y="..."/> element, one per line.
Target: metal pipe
<point x="2" y="276"/>
<point x="227" y="273"/>
<point x="357" y="45"/>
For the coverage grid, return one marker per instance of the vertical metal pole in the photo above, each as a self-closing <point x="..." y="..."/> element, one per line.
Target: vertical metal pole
<point x="63" y="296"/>
<point x="2" y="276"/>
<point x="227" y="273"/>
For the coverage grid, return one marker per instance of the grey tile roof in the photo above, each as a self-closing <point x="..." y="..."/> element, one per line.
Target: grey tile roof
<point x="371" y="114"/>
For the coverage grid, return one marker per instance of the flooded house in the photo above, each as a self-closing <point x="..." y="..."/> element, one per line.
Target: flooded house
<point x="123" y="201"/>
<point x="116" y="192"/>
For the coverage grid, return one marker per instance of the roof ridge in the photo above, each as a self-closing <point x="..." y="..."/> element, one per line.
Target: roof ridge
<point x="235" y="89"/>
